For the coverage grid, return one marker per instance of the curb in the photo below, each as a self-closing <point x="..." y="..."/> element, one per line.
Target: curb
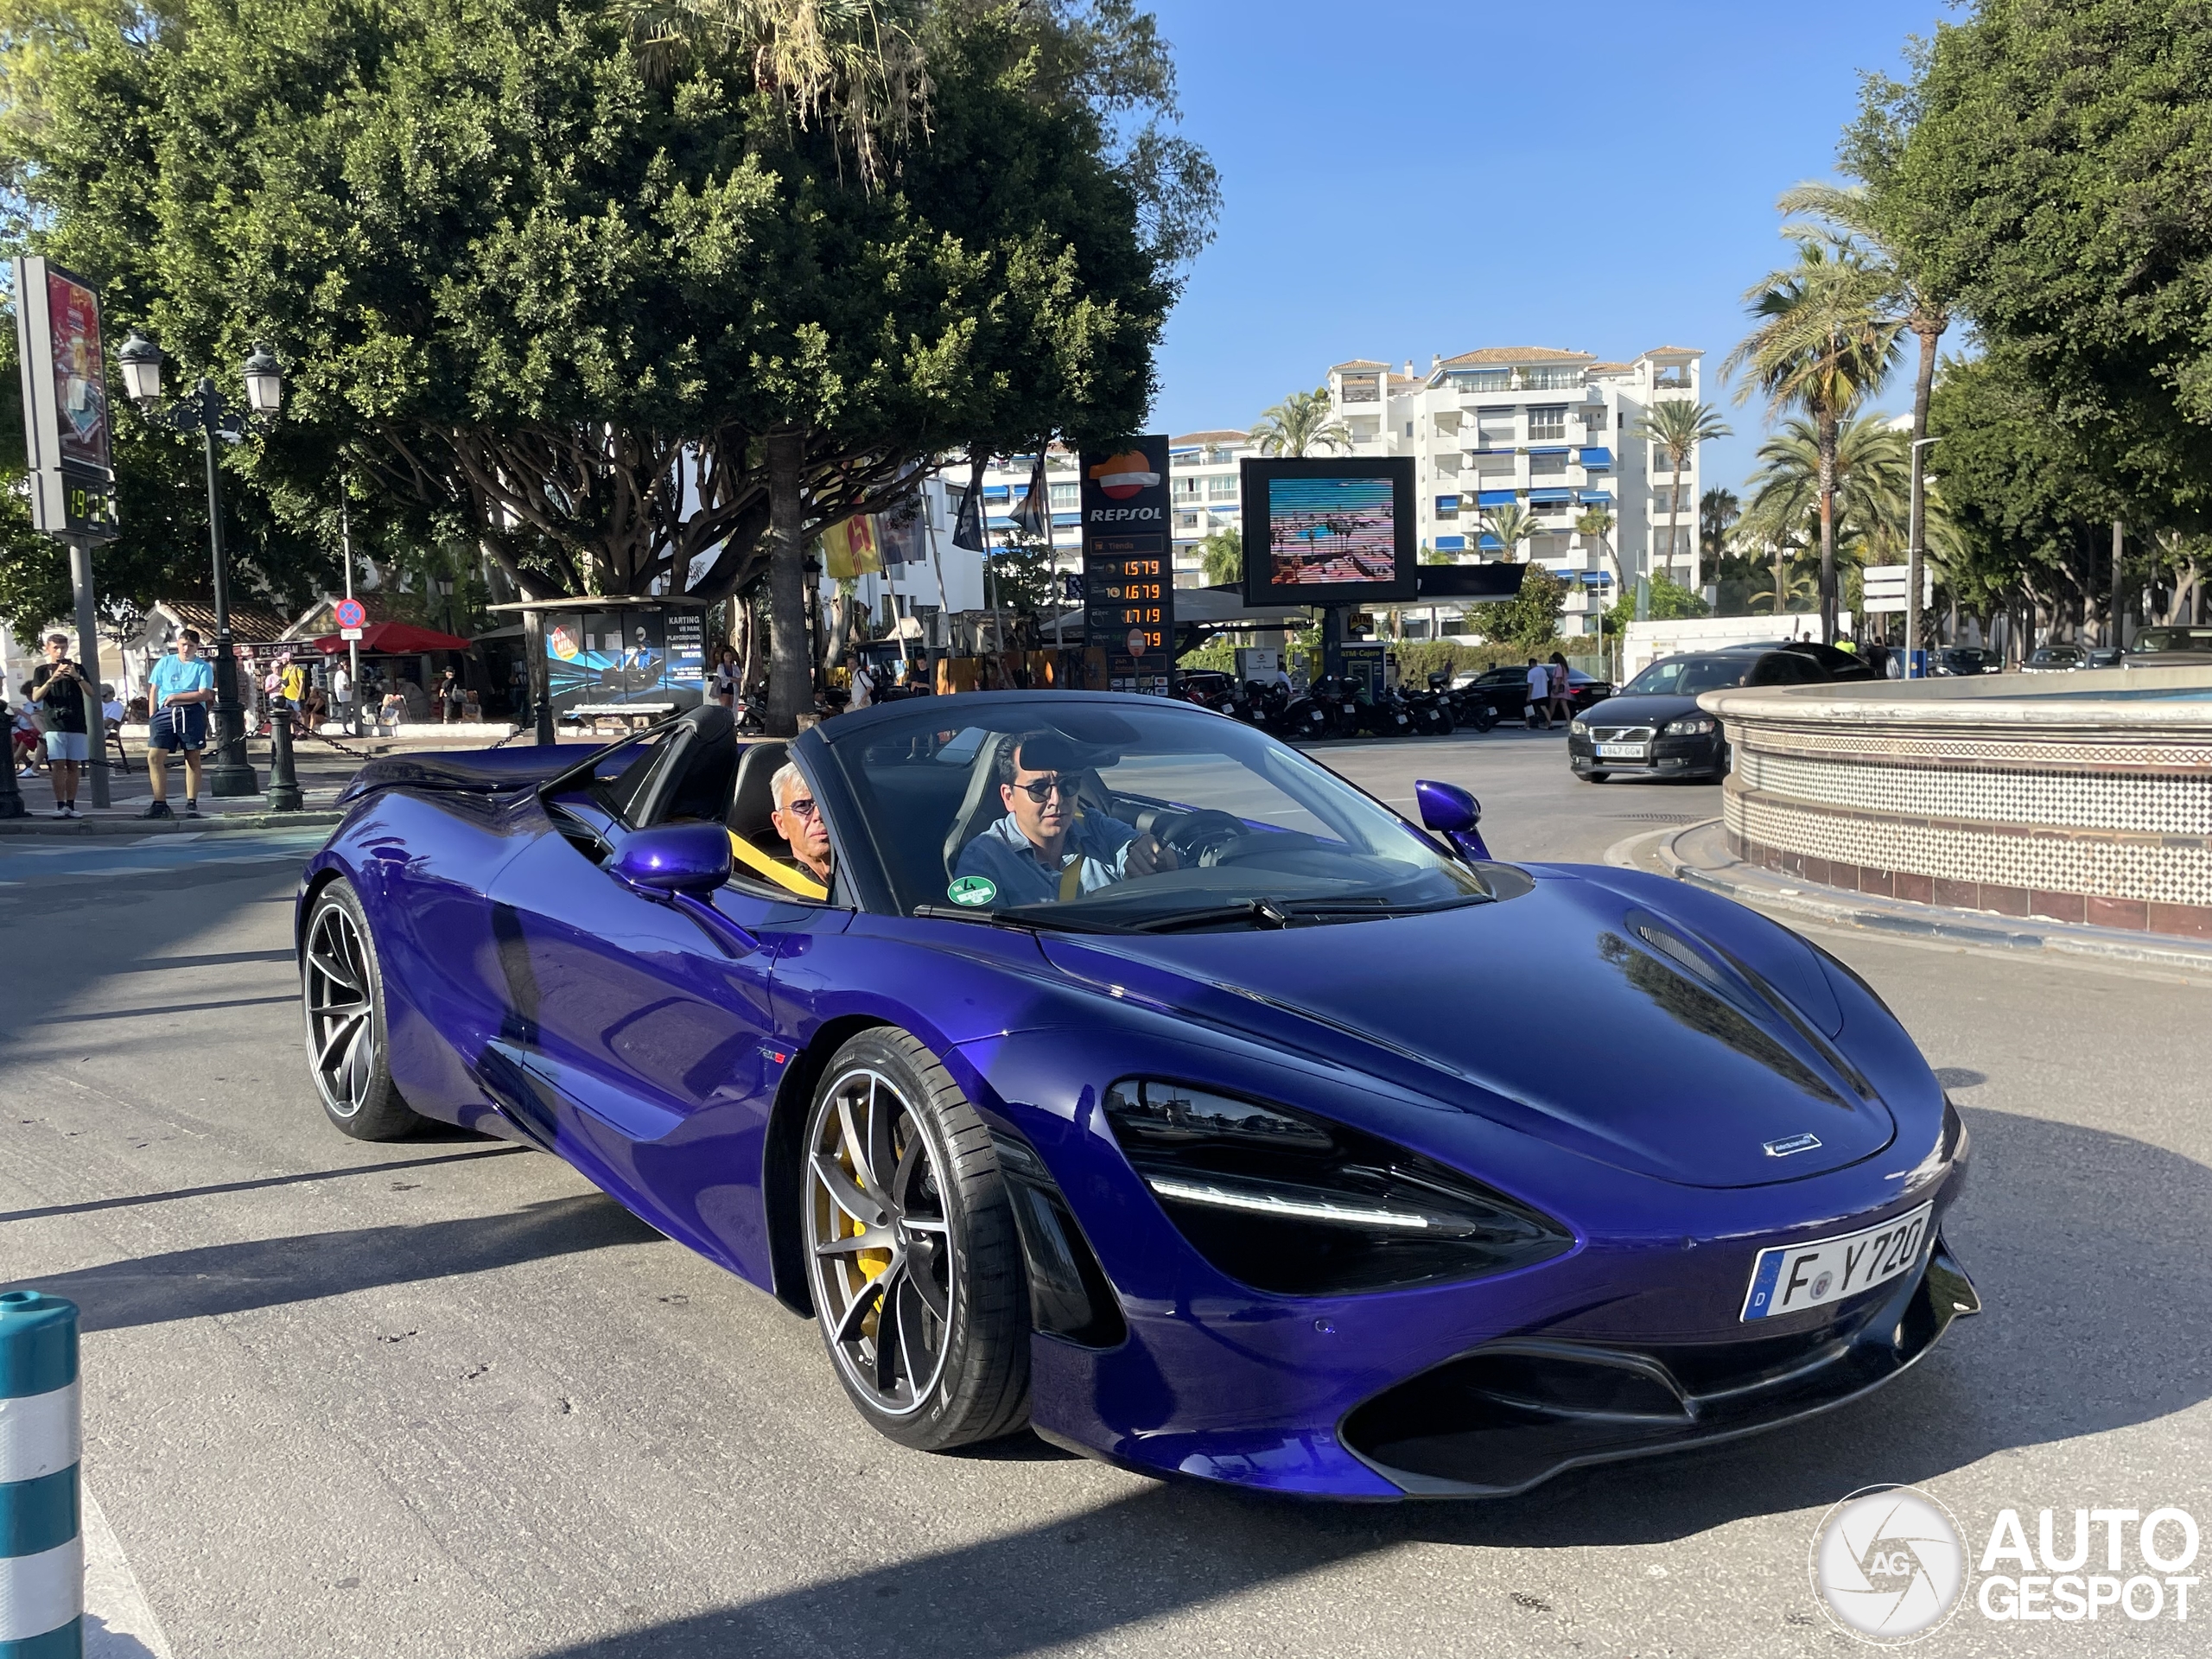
<point x="1834" y="906"/>
<point x="83" y="829"/>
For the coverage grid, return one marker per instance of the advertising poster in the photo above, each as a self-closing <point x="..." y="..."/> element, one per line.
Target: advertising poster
<point x="79" y="372"/>
<point x="1328" y="531"/>
<point x="604" y="659"/>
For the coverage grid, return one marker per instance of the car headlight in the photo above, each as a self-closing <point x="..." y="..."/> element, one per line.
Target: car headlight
<point x="1289" y="1203"/>
<point x="1691" y="725"/>
<point x="1580" y="729"/>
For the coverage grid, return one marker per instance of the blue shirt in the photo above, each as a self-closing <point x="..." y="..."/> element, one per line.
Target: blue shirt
<point x="1010" y="861"/>
<point x="172" y="676"/>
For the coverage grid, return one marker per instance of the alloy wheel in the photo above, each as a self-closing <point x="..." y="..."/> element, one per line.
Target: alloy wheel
<point x="879" y="1241"/>
<point x="341" y="1028"/>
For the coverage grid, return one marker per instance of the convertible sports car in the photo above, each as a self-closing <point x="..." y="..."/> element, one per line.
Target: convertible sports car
<point x="1136" y="1078"/>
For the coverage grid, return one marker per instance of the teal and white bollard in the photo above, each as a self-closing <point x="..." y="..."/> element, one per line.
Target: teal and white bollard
<point x="41" y="1548"/>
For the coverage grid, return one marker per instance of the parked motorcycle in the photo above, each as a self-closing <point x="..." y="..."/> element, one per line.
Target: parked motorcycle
<point x="1386" y="715"/>
<point x="1432" y="712"/>
<point x="1469" y="707"/>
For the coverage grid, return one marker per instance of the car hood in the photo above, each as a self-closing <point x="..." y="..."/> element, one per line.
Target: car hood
<point x="1640" y="711"/>
<point x="1575" y="1012"/>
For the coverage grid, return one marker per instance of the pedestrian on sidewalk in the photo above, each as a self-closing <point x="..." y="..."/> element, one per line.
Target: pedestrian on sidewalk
<point x="1559" y="710"/>
<point x="448" y="696"/>
<point x="1539" y="695"/>
<point x="58" y="689"/>
<point x="24" y="735"/>
<point x="181" y="688"/>
<point x="342" y="697"/>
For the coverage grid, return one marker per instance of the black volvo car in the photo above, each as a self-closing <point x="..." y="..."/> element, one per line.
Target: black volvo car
<point x="1654" y="728"/>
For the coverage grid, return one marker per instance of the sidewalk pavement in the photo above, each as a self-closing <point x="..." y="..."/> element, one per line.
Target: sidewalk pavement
<point x="1700" y="854"/>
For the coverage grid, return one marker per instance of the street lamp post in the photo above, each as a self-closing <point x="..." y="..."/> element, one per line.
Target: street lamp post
<point x="1915" y="553"/>
<point x="204" y="411"/>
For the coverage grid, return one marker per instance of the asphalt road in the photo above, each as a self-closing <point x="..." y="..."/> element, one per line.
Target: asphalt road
<point x="442" y="1398"/>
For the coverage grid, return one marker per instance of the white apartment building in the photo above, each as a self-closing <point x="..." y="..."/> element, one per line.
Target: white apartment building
<point x="1550" y="431"/>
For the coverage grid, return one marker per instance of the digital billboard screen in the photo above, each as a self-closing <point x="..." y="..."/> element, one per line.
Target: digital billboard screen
<point x="1328" y="532"/>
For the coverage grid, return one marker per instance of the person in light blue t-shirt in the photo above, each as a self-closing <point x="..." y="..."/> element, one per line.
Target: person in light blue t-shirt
<point x="179" y="692"/>
<point x="1046" y="848"/>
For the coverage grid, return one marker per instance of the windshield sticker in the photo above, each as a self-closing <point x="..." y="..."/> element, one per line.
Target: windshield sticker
<point x="972" y="890"/>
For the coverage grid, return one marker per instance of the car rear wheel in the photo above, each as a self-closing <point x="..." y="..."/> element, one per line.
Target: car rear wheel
<point x="916" y="1267"/>
<point x="1593" y="776"/>
<point x="341" y="995"/>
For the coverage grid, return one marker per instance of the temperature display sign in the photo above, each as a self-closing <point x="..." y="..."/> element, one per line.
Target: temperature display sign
<point x="1129" y="569"/>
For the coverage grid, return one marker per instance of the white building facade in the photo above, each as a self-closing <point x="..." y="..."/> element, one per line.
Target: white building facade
<point x="1551" y="432"/>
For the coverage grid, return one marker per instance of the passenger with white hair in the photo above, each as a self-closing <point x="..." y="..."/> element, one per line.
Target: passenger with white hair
<point x="798" y="821"/>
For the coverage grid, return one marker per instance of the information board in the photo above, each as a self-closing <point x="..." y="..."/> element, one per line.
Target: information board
<point x="1128" y="565"/>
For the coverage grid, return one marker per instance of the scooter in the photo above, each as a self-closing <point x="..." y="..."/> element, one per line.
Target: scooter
<point x="1431" y="713"/>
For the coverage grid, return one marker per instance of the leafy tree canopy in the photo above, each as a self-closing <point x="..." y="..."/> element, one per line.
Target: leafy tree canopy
<point x="2047" y="165"/>
<point x="549" y="276"/>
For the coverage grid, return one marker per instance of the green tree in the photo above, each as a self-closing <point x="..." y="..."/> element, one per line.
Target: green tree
<point x="1529" y="620"/>
<point x="608" y="311"/>
<point x="1824" y="343"/>
<point x="1718" y="509"/>
<point x="2045" y="168"/>
<point x="1299" y="425"/>
<point x="1512" y="524"/>
<point x="1871" y="498"/>
<point x="1669" y="602"/>
<point x="1221" y="555"/>
<point x="1678" y="426"/>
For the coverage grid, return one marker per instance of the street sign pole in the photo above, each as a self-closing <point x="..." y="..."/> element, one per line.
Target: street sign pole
<point x="88" y="663"/>
<point x="353" y="635"/>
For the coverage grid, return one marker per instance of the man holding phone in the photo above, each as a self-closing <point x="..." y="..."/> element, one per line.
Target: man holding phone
<point x="179" y="690"/>
<point x="59" y="691"/>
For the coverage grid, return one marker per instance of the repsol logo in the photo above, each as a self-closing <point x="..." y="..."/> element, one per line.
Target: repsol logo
<point x="1122" y="515"/>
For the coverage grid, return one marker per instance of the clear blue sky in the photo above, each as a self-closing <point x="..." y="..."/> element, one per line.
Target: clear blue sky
<point x="1401" y="179"/>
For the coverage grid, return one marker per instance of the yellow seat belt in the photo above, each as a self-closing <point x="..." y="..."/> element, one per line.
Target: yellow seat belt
<point x="775" y="869"/>
<point x="1072" y="879"/>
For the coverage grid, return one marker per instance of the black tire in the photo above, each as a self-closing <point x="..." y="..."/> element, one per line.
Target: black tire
<point x="1485" y="717"/>
<point x="958" y="1289"/>
<point x="1593" y="776"/>
<point x="341" y="1003"/>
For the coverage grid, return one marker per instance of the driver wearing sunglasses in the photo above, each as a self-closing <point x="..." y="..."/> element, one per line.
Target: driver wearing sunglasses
<point x="798" y="821"/>
<point x="1046" y="848"/>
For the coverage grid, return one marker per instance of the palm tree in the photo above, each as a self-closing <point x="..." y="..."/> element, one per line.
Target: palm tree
<point x="1512" y="524"/>
<point x="1790" y="585"/>
<point x="1222" y="555"/>
<point x="1850" y="211"/>
<point x="1678" y="426"/>
<point x="1872" y="463"/>
<point x="1596" y="524"/>
<point x="1824" y="343"/>
<point x="1298" y="425"/>
<point x="1718" y="509"/>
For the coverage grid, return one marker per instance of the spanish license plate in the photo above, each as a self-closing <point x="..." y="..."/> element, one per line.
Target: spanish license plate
<point x="1791" y="1278"/>
<point x="1622" y="751"/>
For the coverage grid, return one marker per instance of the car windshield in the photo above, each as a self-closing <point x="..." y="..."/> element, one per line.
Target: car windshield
<point x="1062" y="812"/>
<point x="2057" y="654"/>
<point x="1685" y="676"/>
<point x="2156" y="639"/>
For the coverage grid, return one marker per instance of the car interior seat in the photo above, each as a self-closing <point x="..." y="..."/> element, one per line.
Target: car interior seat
<point x="980" y="806"/>
<point x="696" y="779"/>
<point x="755" y="845"/>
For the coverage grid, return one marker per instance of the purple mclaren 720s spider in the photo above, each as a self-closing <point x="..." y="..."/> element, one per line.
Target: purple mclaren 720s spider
<point x="1120" y="1072"/>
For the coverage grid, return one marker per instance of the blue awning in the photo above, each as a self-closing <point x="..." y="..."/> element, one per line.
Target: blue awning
<point x="1560" y="451"/>
<point x="1496" y="498"/>
<point x="1596" y="457"/>
<point x="1596" y="579"/>
<point x="1562" y="496"/>
<point x="1451" y="544"/>
<point x="1597" y="498"/>
<point x="1448" y="503"/>
<point x="995" y="492"/>
<point x="1063" y="520"/>
<point x="1487" y="540"/>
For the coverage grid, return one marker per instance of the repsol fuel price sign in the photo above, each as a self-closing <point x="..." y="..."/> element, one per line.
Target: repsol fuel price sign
<point x="1128" y="571"/>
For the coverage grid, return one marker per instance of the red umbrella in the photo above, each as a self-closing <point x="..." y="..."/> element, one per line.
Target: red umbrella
<point x="394" y="640"/>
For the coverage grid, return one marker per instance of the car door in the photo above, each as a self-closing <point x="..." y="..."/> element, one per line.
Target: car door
<point x="647" y="1038"/>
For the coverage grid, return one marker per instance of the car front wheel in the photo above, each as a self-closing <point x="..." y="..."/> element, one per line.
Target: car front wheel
<point x="341" y="994"/>
<point x="918" y="1279"/>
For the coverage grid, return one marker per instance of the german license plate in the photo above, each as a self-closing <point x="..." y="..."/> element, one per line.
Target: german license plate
<point x="1791" y="1278"/>
<point x="1622" y="751"/>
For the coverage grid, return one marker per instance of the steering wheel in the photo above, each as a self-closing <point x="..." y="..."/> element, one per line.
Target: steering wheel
<point x="1200" y="837"/>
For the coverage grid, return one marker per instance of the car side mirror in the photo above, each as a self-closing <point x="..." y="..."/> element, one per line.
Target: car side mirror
<point x="672" y="858"/>
<point x="1447" y="808"/>
<point x="1452" y="813"/>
